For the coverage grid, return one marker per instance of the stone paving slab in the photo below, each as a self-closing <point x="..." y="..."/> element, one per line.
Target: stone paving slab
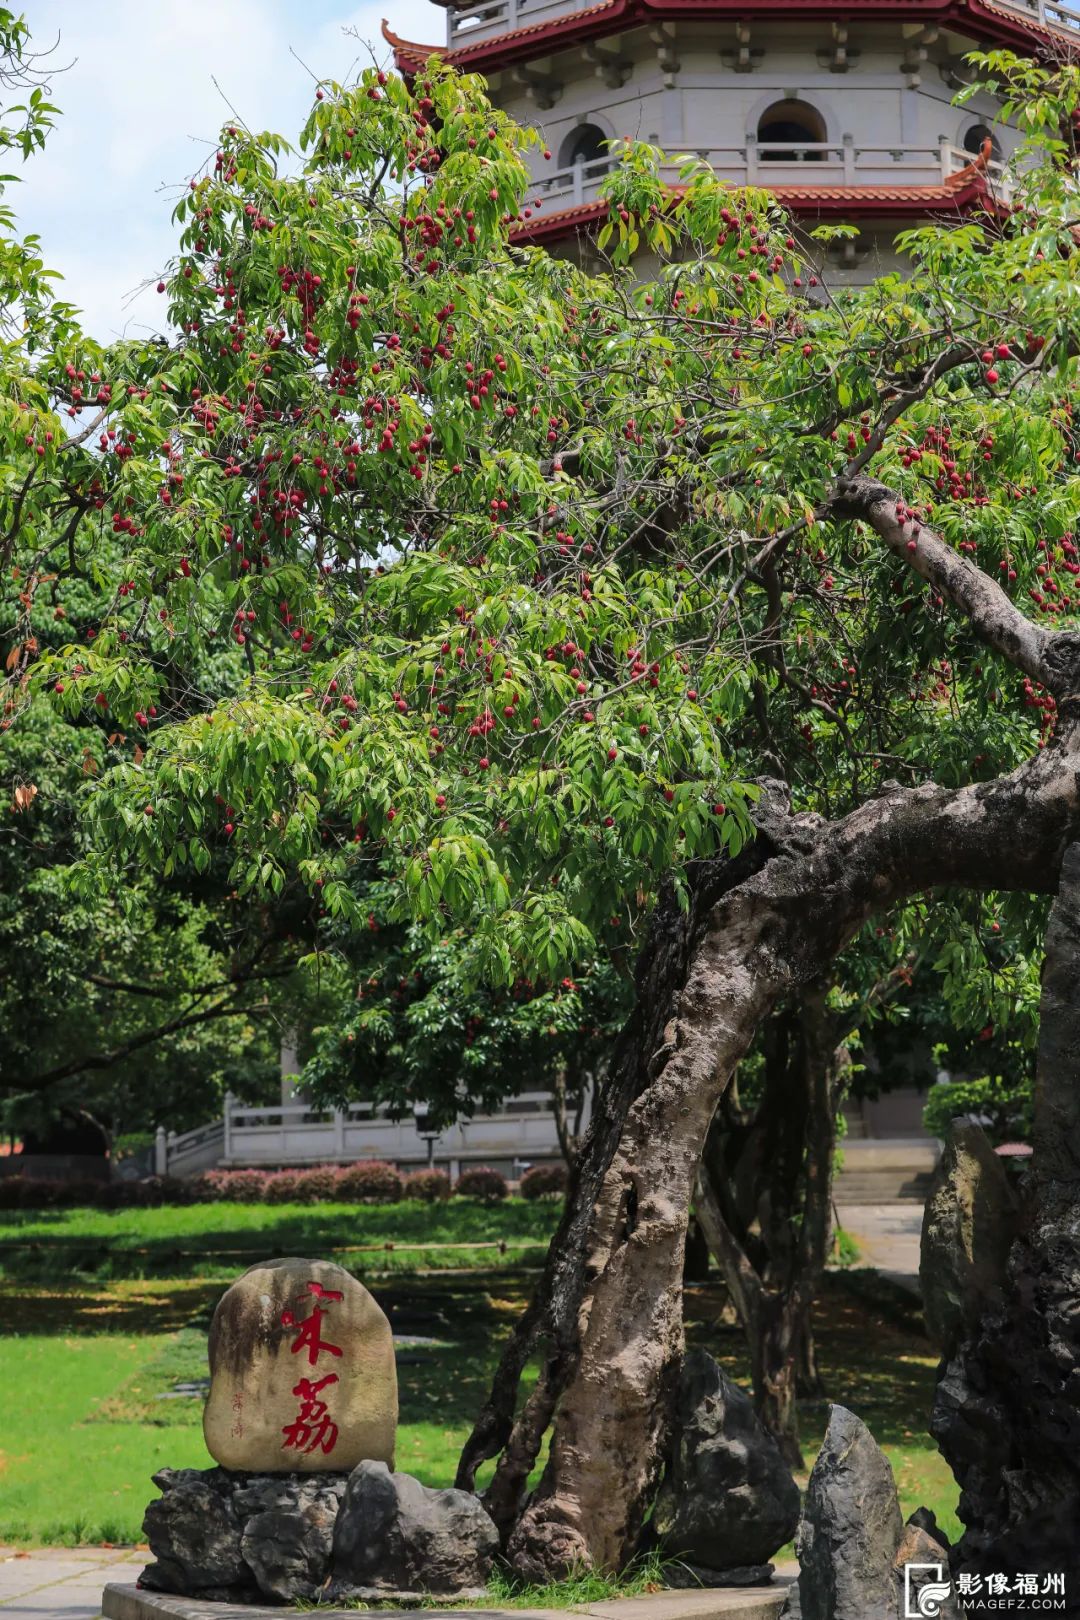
<point x="61" y="1583"/>
<point x="888" y="1237"/>
<point x="122" y="1602"/>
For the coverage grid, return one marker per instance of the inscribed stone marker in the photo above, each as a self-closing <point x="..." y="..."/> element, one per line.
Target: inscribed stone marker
<point x="302" y="1372"/>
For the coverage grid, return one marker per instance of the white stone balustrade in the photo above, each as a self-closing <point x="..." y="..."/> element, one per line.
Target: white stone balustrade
<point x="294" y="1134"/>
<point x="780" y="164"/>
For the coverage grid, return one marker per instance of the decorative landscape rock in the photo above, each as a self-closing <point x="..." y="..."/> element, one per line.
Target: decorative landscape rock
<point x="396" y="1538"/>
<point x="246" y="1538"/>
<point x="925" y="1549"/>
<point x="1007" y="1408"/>
<point x="194" y="1536"/>
<point x="682" y="1576"/>
<point x="289" y="1531"/>
<point x="302" y="1372"/>
<point x="728" y="1501"/>
<point x="850" y="1529"/>
<point x="968" y="1227"/>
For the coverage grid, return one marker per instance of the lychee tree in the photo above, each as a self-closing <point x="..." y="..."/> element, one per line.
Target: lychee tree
<point x="515" y="576"/>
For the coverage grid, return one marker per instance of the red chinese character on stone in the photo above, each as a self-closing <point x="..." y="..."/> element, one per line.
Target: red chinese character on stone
<point x="313" y="1427"/>
<point x="310" y="1335"/>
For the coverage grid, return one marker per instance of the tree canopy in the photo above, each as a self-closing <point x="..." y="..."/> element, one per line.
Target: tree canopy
<point x="413" y="542"/>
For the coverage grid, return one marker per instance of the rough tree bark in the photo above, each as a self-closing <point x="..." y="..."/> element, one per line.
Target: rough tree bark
<point x="1007" y="1408"/>
<point x="609" y="1308"/>
<point x="764" y="1200"/>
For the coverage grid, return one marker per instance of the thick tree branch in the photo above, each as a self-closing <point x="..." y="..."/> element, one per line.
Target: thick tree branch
<point x="1050" y="657"/>
<point x="96" y="1061"/>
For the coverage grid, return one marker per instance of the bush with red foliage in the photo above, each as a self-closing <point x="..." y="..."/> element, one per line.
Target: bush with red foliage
<point x="482" y="1183"/>
<point x="545" y="1181"/>
<point x="429" y="1186"/>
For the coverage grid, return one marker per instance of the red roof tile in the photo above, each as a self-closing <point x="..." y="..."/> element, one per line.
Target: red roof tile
<point x="981" y="18"/>
<point x="874" y="201"/>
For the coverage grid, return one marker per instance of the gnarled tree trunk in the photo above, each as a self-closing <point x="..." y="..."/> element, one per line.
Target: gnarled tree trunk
<point x="764" y="1201"/>
<point x="610" y="1306"/>
<point x="608" y="1311"/>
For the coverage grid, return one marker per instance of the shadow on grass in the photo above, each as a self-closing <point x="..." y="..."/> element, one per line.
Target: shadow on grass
<point x="44" y="1247"/>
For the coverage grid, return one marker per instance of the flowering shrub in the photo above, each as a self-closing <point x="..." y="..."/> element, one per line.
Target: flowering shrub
<point x="429" y="1186"/>
<point x="545" y="1181"/>
<point x="482" y="1183"/>
<point x="318" y="1185"/>
<point x="282" y="1187"/>
<point x="230" y="1186"/>
<point x="369" y="1182"/>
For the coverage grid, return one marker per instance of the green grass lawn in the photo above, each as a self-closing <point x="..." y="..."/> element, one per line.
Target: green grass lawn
<point x="87" y="1354"/>
<point x="221" y="1239"/>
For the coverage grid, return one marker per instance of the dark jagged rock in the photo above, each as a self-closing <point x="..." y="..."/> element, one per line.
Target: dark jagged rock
<point x="237" y="1537"/>
<point x="1007" y="1412"/>
<point x="241" y="1538"/>
<point x="680" y="1575"/>
<point x="728" y="1499"/>
<point x="921" y="1548"/>
<point x="850" y="1529"/>
<point x="289" y="1531"/>
<point x="1007" y="1407"/>
<point x="194" y="1536"/>
<point x="968" y="1228"/>
<point x="925" y="1518"/>
<point x="396" y="1538"/>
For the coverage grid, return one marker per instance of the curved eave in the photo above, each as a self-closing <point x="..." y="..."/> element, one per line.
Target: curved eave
<point x="409" y="54"/>
<point x="980" y="19"/>
<point x="850" y="203"/>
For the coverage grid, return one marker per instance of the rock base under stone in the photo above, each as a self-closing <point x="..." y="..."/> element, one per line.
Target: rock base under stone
<point x="683" y="1577"/>
<point x="370" y="1536"/>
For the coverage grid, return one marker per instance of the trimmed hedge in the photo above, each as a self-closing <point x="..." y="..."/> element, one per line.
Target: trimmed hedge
<point x="480" y="1182"/>
<point x="545" y="1181"/>
<point x="31" y="1192"/>
<point x="369" y="1182"/>
<point x="429" y="1186"/>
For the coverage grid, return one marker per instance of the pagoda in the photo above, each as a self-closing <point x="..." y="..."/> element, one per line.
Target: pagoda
<point x="845" y="112"/>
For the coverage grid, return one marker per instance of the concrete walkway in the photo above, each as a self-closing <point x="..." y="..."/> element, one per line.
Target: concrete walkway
<point x="63" y="1583"/>
<point x="888" y="1238"/>
<point x="59" y="1583"/>
<point x="745" y="1603"/>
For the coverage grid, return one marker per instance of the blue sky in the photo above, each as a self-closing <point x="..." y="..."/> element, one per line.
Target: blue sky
<point x="141" y="110"/>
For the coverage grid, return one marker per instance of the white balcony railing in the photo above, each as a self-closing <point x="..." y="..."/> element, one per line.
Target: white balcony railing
<point x="487" y="19"/>
<point x="523" y="1130"/>
<point x="1051" y="13"/>
<point x="777" y="164"/>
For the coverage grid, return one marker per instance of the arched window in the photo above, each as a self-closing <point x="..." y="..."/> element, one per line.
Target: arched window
<point x="795" y="124"/>
<point x="976" y="135"/>
<point x="585" y="144"/>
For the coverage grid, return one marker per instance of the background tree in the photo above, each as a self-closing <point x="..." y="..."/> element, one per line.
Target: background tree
<point x="408" y="1020"/>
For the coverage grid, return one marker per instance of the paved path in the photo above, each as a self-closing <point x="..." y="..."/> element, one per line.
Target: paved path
<point x="61" y="1582"/>
<point x="744" y="1603"/>
<point x="888" y="1238"/>
<point x="58" y="1583"/>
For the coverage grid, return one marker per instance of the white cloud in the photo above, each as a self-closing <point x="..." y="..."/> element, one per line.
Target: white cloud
<point x="141" y="111"/>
